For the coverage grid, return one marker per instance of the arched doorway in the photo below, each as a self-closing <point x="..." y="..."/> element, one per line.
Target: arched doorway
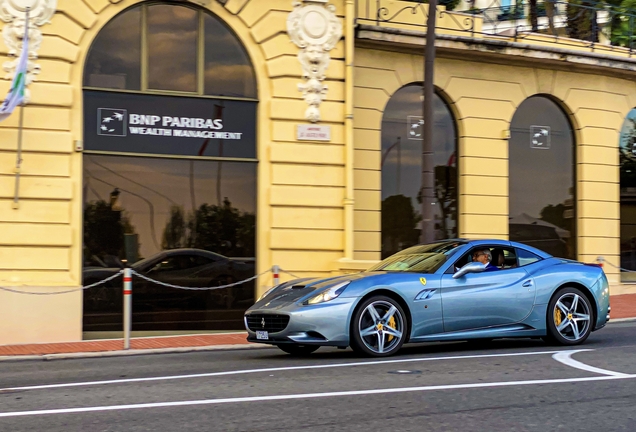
<point x="627" y="162"/>
<point x="169" y="169"/>
<point x="402" y="136"/>
<point x="542" y="210"/>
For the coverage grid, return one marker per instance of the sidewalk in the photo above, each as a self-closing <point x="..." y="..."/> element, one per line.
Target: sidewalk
<point x="623" y="306"/>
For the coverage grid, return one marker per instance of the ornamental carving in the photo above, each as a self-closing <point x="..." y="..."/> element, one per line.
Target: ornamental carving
<point x="13" y="12"/>
<point x="314" y="27"/>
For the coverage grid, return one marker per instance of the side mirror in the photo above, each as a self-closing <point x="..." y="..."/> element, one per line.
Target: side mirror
<point x="472" y="267"/>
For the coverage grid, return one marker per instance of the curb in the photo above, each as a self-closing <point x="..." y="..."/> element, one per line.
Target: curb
<point x="124" y="353"/>
<point x="621" y="320"/>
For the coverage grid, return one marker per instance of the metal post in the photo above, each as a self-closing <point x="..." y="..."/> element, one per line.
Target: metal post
<point x="127" y="306"/>
<point x="276" y="272"/>
<point x="428" y="178"/>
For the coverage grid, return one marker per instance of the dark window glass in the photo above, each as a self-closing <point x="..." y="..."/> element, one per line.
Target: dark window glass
<point x="114" y="60"/>
<point x="627" y="161"/>
<point x="172" y="48"/>
<point x="541" y="179"/>
<point x="402" y="134"/>
<point x="228" y="70"/>
<point x="526" y="257"/>
<point x="169" y="218"/>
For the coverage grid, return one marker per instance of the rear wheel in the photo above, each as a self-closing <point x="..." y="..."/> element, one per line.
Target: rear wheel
<point x="298" y="350"/>
<point x="569" y="320"/>
<point x="378" y="327"/>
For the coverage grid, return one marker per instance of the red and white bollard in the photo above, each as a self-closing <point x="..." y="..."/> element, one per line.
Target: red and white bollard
<point x="127" y="306"/>
<point x="276" y="274"/>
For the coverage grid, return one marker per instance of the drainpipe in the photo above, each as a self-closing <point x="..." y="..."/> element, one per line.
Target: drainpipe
<point x="348" y="200"/>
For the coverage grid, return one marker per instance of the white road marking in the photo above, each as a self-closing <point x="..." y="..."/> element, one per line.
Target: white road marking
<point x="269" y="398"/>
<point x="565" y="357"/>
<point x="276" y="369"/>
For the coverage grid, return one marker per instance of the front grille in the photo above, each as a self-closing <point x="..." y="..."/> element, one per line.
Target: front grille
<point x="272" y="323"/>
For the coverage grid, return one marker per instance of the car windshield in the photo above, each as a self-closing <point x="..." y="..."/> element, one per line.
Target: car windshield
<point x="419" y="259"/>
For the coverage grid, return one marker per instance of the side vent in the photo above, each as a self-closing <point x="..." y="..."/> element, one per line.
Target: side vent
<point x="425" y="294"/>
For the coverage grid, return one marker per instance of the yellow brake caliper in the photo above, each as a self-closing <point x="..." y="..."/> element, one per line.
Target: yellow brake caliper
<point x="557" y="316"/>
<point x="392" y="324"/>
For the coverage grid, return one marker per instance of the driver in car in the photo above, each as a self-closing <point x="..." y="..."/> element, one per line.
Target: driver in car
<point x="485" y="257"/>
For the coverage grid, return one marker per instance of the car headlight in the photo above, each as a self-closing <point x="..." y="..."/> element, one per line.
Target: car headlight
<point x="268" y="292"/>
<point x="328" y="294"/>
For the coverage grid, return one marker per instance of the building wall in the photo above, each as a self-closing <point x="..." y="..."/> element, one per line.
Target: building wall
<point x="484" y="100"/>
<point x="301" y="185"/>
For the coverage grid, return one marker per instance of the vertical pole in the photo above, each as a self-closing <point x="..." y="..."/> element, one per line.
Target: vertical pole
<point x="276" y="274"/>
<point x="127" y="306"/>
<point x="399" y="164"/>
<point x="18" y="164"/>
<point x="426" y="193"/>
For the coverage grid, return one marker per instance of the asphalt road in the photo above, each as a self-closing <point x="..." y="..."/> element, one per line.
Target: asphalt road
<point x="521" y="385"/>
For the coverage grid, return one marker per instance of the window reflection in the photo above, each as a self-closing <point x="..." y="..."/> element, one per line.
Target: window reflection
<point x="541" y="178"/>
<point x="172" y="48"/>
<point x="228" y="71"/>
<point x="402" y="134"/>
<point x="173" y="54"/>
<point x="114" y="60"/>
<point x="176" y="221"/>
<point x="627" y="160"/>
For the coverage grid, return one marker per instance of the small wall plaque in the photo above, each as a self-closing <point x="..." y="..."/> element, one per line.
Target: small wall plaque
<point x="313" y="133"/>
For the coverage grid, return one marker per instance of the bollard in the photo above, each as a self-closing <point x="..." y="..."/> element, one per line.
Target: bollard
<point x="276" y="272"/>
<point x="127" y="306"/>
<point x="601" y="261"/>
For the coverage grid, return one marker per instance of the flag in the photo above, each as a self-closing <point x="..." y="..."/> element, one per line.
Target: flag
<point x="16" y="94"/>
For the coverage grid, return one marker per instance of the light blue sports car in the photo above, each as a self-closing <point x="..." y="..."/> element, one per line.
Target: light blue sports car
<point x="444" y="291"/>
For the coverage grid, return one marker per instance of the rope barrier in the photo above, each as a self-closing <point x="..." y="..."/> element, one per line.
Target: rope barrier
<point x="146" y="278"/>
<point x="291" y="274"/>
<point x="603" y="262"/>
<point x="108" y="279"/>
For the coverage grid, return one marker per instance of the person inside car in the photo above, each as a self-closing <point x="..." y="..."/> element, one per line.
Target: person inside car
<point x="485" y="257"/>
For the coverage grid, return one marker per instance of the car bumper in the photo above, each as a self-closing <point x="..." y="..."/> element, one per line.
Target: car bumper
<point x="325" y="324"/>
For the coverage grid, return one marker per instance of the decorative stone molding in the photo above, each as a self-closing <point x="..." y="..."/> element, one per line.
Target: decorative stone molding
<point x="13" y="12"/>
<point x="314" y="27"/>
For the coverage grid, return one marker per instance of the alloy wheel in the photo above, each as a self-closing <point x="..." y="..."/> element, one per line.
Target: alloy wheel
<point x="572" y="316"/>
<point x="381" y="327"/>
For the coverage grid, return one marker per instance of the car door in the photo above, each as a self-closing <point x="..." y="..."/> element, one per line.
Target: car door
<point x="494" y="298"/>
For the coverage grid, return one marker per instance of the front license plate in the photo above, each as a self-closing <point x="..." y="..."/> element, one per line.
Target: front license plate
<point x="262" y="335"/>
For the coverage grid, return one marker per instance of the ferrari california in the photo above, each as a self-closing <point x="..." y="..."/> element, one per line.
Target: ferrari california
<point x="443" y="291"/>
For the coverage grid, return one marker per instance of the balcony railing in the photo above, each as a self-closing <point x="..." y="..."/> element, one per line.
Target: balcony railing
<point x="577" y="23"/>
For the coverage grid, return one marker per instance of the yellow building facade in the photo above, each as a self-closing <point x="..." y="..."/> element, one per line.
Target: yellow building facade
<point x="318" y="201"/>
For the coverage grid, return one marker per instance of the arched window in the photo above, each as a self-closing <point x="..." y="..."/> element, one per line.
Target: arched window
<point x="402" y="137"/>
<point x="169" y="168"/>
<point x="542" y="210"/>
<point x="627" y="161"/>
<point x="169" y="48"/>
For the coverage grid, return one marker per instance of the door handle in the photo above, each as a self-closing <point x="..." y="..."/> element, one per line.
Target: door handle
<point x="527" y="283"/>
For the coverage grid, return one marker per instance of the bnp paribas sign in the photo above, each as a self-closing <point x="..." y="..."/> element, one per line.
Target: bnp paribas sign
<point x="121" y="122"/>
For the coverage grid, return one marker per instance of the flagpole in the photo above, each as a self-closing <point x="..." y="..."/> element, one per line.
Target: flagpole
<point x="18" y="165"/>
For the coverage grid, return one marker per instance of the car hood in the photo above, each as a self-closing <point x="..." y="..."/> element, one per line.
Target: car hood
<point x="295" y="290"/>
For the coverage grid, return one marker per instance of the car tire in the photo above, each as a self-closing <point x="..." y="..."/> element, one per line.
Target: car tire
<point x="570" y="317"/>
<point x="298" y="350"/>
<point x="364" y="321"/>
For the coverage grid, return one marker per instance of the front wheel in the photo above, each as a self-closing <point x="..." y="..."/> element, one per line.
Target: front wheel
<point x="569" y="319"/>
<point x="378" y="327"/>
<point x="298" y="350"/>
